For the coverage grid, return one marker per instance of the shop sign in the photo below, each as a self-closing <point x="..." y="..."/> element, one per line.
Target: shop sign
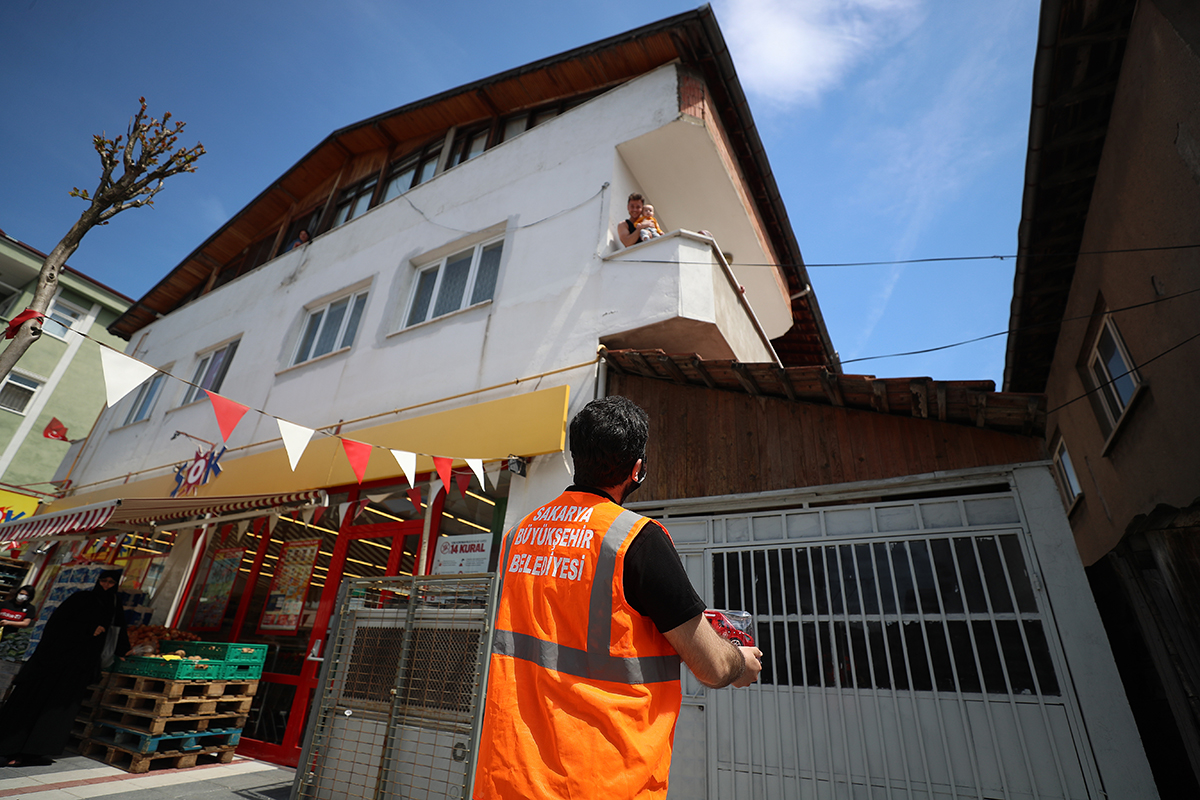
<point x="462" y="555"/>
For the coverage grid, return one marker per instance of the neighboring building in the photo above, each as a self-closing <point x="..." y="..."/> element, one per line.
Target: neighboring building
<point x="59" y="376"/>
<point x="1104" y="323"/>
<point x="899" y="540"/>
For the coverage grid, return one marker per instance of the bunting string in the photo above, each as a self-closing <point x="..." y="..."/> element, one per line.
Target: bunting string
<point x="124" y="373"/>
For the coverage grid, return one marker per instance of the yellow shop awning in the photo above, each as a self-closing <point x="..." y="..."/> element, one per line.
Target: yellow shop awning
<point x="528" y="424"/>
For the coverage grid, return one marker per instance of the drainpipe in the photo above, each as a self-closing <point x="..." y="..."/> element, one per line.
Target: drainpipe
<point x="602" y="374"/>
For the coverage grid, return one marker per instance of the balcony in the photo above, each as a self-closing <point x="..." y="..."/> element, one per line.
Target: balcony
<point x="687" y="301"/>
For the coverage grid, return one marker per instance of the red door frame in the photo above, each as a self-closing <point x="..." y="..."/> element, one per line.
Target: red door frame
<point x="288" y="752"/>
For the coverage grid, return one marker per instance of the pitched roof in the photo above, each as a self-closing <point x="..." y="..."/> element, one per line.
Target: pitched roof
<point x="693" y="38"/>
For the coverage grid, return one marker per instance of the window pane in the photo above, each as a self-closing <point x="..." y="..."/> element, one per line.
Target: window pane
<point x="542" y="116"/>
<point x="1118" y="368"/>
<point x="475" y="145"/>
<point x="420" y="306"/>
<point x="1106" y="390"/>
<point x="485" y="276"/>
<point x="514" y="127"/>
<point x="341" y="215"/>
<point x="329" y="331"/>
<point x="310" y="334"/>
<point x="400" y="183"/>
<point x="17" y="392"/>
<point x="428" y="166"/>
<point x="454" y="283"/>
<point x="144" y="403"/>
<point x="352" y="324"/>
<point x="195" y="390"/>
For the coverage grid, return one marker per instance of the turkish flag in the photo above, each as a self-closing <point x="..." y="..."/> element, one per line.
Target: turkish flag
<point x="55" y="430"/>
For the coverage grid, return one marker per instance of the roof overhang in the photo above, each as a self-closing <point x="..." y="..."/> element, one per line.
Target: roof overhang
<point x="1081" y="46"/>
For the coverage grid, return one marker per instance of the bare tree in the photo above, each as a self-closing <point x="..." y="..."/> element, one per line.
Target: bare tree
<point x="147" y="156"/>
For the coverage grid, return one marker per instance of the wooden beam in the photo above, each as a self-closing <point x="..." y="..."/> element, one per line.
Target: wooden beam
<point x="673" y="369"/>
<point x="879" y="399"/>
<point x="833" y="390"/>
<point x="981" y="409"/>
<point x="940" y="388"/>
<point x="642" y="365"/>
<point x="920" y="398"/>
<point x="1031" y="411"/>
<point x="742" y="373"/>
<point x="613" y="362"/>
<point x="698" y="365"/>
<point x="785" y="380"/>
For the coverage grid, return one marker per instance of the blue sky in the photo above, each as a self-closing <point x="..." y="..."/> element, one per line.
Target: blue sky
<point x="896" y="129"/>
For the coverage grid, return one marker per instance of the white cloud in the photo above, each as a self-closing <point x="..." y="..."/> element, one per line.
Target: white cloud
<point x="789" y="52"/>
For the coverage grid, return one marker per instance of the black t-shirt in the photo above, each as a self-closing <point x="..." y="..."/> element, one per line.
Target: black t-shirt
<point x="656" y="584"/>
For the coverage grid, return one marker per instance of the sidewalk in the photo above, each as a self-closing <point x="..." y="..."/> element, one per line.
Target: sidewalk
<point x="72" y="777"/>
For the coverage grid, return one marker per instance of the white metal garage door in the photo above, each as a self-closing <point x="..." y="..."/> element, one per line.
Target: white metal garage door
<point x="909" y="653"/>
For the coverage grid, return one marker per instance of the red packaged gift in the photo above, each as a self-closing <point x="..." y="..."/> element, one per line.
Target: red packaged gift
<point x="732" y="625"/>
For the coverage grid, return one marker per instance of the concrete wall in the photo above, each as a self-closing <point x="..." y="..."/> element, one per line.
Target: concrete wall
<point x="1147" y="194"/>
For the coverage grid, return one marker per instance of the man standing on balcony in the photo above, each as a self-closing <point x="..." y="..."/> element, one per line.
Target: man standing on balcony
<point x="595" y="613"/>
<point x="630" y="231"/>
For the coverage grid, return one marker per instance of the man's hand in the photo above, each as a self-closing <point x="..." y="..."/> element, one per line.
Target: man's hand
<point x="753" y="657"/>
<point x="99" y="630"/>
<point x="714" y="661"/>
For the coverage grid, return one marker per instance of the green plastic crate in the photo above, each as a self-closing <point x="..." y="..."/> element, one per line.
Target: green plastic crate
<point x="174" y="669"/>
<point x="235" y="671"/>
<point x="231" y="652"/>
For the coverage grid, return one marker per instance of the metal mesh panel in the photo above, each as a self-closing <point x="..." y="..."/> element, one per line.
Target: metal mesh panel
<point x="400" y="697"/>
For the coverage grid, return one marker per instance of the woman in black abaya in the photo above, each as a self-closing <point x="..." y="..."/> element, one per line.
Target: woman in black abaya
<point x="36" y="721"/>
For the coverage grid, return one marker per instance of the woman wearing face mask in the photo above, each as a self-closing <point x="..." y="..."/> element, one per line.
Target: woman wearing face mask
<point x="35" y="721"/>
<point x="16" y="621"/>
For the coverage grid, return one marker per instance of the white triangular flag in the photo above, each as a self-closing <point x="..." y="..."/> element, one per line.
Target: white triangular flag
<point x="307" y="514"/>
<point x="493" y="472"/>
<point x="476" y="465"/>
<point x="122" y="374"/>
<point x="408" y="464"/>
<point x="342" y="510"/>
<point x="242" y="527"/>
<point x="295" y="440"/>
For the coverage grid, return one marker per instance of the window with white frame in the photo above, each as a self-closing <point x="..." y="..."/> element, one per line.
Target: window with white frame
<point x="1112" y="373"/>
<point x="17" y="391"/>
<point x="1064" y="470"/>
<point x="457" y="281"/>
<point x="62" y="315"/>
<point x="210" y="372"/>
<point x="330" y="327"/>
<point x="143" y="402"/>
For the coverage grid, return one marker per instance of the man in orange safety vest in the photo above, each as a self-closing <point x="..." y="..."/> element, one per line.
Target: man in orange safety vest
<point x="595" y="613"/>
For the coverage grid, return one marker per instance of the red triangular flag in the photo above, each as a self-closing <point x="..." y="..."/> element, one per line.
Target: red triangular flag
<point x="358" y="454"/>
<point x="318" y="512"/>
<point x="55" y="430"/>
<point x="463" y="479"/>
<point x="414" y="494"/>
<point x="442" y="465"/>
<point x="229" y="413"/>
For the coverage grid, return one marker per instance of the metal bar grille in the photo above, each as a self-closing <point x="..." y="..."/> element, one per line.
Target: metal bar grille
<point x="396" y="713"/>
<point x="916" y="666"/>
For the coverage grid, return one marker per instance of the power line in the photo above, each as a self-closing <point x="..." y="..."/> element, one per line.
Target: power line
<point x="935" y="260"/>
<point x="1016" y="330"/>
<point x="1123" y="374"/>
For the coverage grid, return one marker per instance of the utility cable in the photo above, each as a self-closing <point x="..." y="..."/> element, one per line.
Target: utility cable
<point x="1113" y="380"/>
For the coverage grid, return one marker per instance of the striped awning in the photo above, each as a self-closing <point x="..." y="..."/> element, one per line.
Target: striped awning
<point x="148" y="511"/>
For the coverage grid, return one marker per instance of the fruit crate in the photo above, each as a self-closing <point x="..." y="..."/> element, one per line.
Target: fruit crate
<point x="229" y="652"/>
<point x="172" y="669"/>
<point x="242" y="672"/>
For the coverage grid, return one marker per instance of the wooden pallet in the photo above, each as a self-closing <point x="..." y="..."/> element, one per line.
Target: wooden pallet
<point x="158" y="706"/>
<point x="145" y="722"/>
<point x="186" y="742"/>
<point x="177" y="690"/>
<point x="138" y="763"/>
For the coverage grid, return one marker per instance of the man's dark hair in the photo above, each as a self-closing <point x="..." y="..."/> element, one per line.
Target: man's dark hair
<point x="635" y="196"/>
<point x="607" y="438"/>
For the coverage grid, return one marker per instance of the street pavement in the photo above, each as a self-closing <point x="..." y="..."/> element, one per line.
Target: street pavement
<point x="72" y="777"/>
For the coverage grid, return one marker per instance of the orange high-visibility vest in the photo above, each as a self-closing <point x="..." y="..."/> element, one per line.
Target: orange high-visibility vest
<point x="583" y="691"/>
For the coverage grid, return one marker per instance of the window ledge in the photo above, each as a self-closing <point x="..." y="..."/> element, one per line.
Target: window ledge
<point x="1074" y="504"/>
<point x="439" y="319"/>
<point x="324" y="357"/>
<point x="1111" y="441"/>
<point x="142" y="421"/>
<point x="196" y="402"/>
<point x="9" y="410"/>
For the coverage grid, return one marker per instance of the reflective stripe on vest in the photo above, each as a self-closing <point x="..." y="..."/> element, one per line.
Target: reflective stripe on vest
<point x="596" y="663"/>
